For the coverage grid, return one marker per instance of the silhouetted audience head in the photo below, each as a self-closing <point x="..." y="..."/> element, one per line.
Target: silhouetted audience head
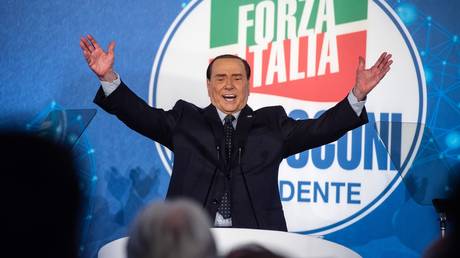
<point x="252" y="251"/>
<point x="171" y="229"/>
<point x="40" y="198"/>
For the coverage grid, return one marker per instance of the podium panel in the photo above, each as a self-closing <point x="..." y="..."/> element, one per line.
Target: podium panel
<point x="288" y="244"/>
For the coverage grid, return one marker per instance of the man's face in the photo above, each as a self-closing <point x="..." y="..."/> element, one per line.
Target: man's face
<point x="228" y="87"/>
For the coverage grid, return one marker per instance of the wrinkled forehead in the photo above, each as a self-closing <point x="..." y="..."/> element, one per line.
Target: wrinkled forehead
<point x="230" y="66"/>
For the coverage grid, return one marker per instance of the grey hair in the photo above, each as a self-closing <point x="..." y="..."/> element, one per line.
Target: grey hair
<point x="171" y="229"/>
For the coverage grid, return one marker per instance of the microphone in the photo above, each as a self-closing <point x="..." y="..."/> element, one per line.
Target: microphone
<point x="213" y="177"/>
<point x="247" y="188"/>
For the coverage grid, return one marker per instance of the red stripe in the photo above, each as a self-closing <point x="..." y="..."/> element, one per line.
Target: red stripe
<point x="325" y="88"/>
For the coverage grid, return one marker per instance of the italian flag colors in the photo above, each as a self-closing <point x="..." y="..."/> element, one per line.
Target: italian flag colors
<point x="300" y="49"/>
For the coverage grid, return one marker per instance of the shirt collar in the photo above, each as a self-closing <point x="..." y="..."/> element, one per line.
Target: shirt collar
<point x="222" y="116"/>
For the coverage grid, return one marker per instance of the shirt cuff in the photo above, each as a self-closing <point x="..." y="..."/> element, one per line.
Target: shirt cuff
<point x="109" y="87"/>
<point x="355" y="104"/>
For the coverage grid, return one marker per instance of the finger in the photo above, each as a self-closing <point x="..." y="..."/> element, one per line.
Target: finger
<point x="381" y="59"/>
<point x="111" y="48"/>
<point x="384" y="72"/>
<point x="382" y="75"/>
<point x="93" y="41"/>
<point x="387" y="60"/>
<point x="86" y="54"/>
<point x="361" y="64"/>
<point x="87" y="44"/>
<point x="386" y="65"/>
<point x="83" y="45"/>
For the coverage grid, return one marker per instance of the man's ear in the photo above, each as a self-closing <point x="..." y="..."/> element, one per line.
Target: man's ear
<point x="208" y="85"/>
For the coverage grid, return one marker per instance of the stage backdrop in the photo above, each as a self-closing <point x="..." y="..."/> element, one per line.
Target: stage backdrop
<point x="369" y="191"/>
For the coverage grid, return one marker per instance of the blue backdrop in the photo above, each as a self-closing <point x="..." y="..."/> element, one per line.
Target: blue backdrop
<point x="42" y="69"/>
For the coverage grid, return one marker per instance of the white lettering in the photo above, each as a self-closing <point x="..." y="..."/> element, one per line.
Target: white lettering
<point x="258" y="51"/>
<point x="276" y="63"/>
<point x="329" y="54"/>
<point x="286" y="12"/>
<point x="305" y="18"/>
<point x="265" y="20"/>
<point x="294" y="73"/>
<point x="243" y="24"/>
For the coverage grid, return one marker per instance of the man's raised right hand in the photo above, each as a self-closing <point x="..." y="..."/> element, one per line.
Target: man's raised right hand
<point x="100" y="62"/>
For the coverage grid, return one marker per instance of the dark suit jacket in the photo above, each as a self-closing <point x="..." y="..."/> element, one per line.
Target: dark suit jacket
<point x="262" y="139"/>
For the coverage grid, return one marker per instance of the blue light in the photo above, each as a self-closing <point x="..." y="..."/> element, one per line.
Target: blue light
<point x="72" y="138"/>
<point x="407" y="13"/>
<point x="184" y="4"/>
<point x="94" y="178"/>
<point x="444" y="62"/>
<point x="90" y="151"/>
<point x="455" y="38"/>
<point x="428" y="74"/>
<point x="453" y="140"/>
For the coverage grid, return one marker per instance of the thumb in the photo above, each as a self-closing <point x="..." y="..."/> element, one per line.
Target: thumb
<point x="111" y="48"/>
<point x="361" y="64"/>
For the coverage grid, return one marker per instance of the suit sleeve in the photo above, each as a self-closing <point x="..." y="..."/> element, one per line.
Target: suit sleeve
<point x="300" y="135"/>
<point x="156" y="124"/>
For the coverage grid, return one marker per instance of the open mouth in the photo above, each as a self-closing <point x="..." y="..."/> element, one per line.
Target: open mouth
<point x="229" y="97"/>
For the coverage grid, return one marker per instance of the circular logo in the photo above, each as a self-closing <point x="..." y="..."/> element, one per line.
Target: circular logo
<point x="304" y="56"/>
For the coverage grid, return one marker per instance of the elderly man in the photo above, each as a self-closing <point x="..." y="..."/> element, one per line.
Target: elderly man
<point x="226" y="156"/>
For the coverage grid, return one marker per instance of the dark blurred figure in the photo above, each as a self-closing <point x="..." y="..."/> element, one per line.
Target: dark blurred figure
<point x="449" y="246"/>
<point x="39" y="198"/>
<point x="252" y="251"/>
<point x="171" y="229"/>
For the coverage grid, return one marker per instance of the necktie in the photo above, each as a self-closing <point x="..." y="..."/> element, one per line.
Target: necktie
<point x="225" y="207"/>
<point x="228" y="132"/>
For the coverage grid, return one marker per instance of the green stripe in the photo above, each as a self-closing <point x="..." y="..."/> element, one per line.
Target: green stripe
<point x="350" y="10"/>
<point x="224" y="21"/>
<point x="224" y="17"/>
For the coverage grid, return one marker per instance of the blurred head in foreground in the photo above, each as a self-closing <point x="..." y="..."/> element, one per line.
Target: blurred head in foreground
<point x="171" y="229"/>
<point x="40" y="197"/>
<point x="252" y="251"/>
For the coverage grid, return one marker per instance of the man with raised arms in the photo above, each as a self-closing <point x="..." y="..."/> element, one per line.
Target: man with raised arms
<point x="226" y="156"/>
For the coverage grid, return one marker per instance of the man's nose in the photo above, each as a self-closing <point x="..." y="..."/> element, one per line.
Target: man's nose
<point x="229" y="84"/>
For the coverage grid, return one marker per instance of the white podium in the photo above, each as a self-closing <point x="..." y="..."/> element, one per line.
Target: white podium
<point x="288" y="244"/>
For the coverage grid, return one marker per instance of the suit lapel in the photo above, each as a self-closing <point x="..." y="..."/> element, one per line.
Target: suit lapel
<point x="213" y="120"/>
<point x="243" y="126"/>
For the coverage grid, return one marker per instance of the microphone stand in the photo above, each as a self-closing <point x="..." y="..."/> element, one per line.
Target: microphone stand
<point x="247" y="188"/>
<point x="213" y="178"/>
<point x="441" y="207"/>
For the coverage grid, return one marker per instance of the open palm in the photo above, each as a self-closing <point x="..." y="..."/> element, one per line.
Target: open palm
<point x="100" y="62"/>
<point x="367" y="79"/>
